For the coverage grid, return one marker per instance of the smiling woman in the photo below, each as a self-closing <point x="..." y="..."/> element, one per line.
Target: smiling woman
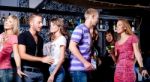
<point x="126" y="52"/>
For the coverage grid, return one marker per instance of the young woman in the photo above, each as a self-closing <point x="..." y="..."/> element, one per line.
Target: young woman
<point x="57" y="50"/>
<point x="126" y="51"/>
<point x="110" y="43"/>
<point x="8" y="44"/>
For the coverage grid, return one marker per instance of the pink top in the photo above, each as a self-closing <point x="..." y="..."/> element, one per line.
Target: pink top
<point x="125" y="50"/>
<point x="5" y="53"/>
<point x="125" y="64"/>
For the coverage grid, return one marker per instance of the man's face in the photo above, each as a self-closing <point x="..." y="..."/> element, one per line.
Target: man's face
<point x="95" y="18"/>
<point x="37" y="23"/>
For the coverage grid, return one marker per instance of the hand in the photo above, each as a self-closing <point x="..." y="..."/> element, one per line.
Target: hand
<point x="51" y="78"/>
<point x="88" y="66"/>
<point x="111" y="52"/>
<point x="47" y="59"/>
<point x="99" y="61"/>
<point x="20" y="73"/>
<point x="145" y="73"/>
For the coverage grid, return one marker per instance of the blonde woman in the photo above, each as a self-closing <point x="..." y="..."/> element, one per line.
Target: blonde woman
<point x="126" y="51"/>
<point x="8" y="44"/>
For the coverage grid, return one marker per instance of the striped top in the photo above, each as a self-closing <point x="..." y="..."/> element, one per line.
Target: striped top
<point x="81" y="35"/>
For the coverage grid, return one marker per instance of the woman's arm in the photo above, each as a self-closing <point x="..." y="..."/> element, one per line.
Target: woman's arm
<point x="138" y="54"/>
<point x="114" y="57"/>
<point x="61" y="60"/>
<point x="139" y="59"/>
<point x="17" y="60"/>
<point x="113" y="53"/>
<point x="16" y="56"/>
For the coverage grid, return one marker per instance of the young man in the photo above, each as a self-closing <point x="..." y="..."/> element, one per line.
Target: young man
<point x="30" y="50"/>
<point x="80" y="47"/>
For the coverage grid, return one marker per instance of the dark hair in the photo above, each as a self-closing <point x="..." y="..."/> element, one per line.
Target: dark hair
<point x="113" y="35"/>
<point x="94" y="34"/>
<point x="109" y="31"/>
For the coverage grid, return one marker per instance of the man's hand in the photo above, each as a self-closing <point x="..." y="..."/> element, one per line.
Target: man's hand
<point x="47" y="59"/>
<point x="88" y="66"/>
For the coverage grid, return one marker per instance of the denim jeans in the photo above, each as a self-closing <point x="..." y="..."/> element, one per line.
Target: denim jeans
<point x="6" y="75"/>
<point x="33" y="76"/>
<point x="79" y="76"/>
<point x="139" y="76"/>
<point x="60" y="75"/>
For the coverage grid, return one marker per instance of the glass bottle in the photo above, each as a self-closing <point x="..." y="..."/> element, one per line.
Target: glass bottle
<point x="3" y="19"/>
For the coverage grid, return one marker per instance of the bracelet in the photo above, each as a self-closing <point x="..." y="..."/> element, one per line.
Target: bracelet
<point x="18" y="68"/>
<point x="141" y="69"/>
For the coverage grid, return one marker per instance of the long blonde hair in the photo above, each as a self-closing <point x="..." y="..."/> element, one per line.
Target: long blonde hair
<point x="15" y="28"/>
<point x="126" y="25"/>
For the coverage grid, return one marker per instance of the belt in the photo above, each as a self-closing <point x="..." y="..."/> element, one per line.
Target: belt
<point x="31" y="69"/>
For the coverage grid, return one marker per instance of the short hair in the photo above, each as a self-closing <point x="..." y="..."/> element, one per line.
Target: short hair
<point x="34" y="15"/>
<point x="90" y="11"/>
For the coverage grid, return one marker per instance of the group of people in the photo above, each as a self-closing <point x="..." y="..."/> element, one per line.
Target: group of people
<point x="29" y="57"/>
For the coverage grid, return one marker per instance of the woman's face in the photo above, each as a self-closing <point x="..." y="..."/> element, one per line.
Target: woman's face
<point x="53" y="27"/>
<point x="109" y="37"/>
<point x="120" y="27"/>
<point x="8" y="24"/>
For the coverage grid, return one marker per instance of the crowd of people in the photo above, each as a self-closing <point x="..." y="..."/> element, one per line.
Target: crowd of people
<point x="32" y="56"/>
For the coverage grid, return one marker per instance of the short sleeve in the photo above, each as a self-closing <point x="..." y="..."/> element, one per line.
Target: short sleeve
<point x="62" y="41"/>
<point x="15" y="39"/>
<point x="77" y="35"/>
<point x="0" y="37"/>
<point x="134" y="39"/>
<point x="46" y="48"/>
<point x="21" y="39"/>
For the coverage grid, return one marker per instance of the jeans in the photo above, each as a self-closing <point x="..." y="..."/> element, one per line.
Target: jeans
<point x="16" y="77"/>
<point x="33" y="76"/>
<point x="60" y="75"/>
<point x="139" y="76"/>
<point x="6" y="75"/>
<point x="79" y="76"/>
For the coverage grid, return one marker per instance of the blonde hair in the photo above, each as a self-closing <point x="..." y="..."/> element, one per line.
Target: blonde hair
<point x="15" y="24"/>
<point x="126" y="25"/>
<point x="90" y="11"/>
<point x="33" y="15"/>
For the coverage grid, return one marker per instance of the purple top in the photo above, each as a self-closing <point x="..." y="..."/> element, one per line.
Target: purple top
<point x="81" y="35"/>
